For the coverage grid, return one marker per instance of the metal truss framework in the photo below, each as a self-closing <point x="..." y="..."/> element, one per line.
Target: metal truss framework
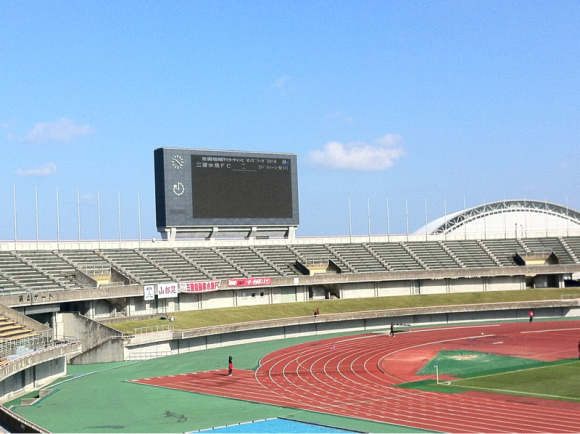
<point x="488" y="209"/>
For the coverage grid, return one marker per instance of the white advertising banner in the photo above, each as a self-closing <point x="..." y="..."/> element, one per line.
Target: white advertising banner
<point x="149" y="292"/>
<point x="200" y="286"/>
<point x="167" y="290"/>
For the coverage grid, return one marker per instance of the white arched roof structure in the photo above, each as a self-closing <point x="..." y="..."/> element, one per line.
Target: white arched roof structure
<point x="520" y="217"/>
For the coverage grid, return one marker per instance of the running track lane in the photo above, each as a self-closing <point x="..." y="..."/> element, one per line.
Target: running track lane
<point x="343" y="376"/>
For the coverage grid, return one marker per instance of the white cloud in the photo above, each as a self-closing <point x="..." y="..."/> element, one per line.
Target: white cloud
<point x="46" y="170"/>
<point x="63" y="130"/>
<point x="280" y="83"/>
<point x="340" y="116"/>
<point x="359" y="156"/>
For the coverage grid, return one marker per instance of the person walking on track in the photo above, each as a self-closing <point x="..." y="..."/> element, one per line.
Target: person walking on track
<point x="230" y="366"/>
<point x="392" y="330"/>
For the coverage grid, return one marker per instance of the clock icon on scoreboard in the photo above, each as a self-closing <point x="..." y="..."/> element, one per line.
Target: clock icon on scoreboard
<point x="178" y="189"/>
<point x="177" y="162"/>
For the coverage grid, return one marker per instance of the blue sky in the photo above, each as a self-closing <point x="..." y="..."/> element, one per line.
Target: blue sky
<point x="410" y="100"/>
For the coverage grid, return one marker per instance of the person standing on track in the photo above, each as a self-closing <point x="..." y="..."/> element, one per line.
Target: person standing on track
<point x="392" y="330"/>
<point x="531" y="314"/>
<point x="230" y="366"/>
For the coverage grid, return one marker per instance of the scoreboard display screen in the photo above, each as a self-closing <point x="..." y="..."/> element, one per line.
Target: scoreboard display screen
<point x="211" y="187"/>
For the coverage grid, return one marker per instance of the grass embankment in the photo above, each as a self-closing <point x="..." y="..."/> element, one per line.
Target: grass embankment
<point x="210" y="317"/>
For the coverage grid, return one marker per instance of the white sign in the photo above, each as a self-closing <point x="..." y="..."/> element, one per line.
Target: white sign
<point x="167" y="290"/>
<point x="149" y="292"/>
<point x="200" y="286"/>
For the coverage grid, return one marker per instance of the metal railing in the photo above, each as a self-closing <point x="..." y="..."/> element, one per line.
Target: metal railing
<point x="149" y="356"/>
<point x="40" y="340"/>
<point x="316" y="262"/>
<point x="154" y="329"/>
<point x="95" y="269"/>
<point x="570" y="296"/>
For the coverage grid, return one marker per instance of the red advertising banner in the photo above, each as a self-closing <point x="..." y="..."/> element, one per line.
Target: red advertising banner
<point x="260" y="281"/>
<point x="200" y="286"/>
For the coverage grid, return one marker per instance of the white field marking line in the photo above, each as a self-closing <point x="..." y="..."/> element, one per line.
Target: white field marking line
<point x="313" y="356"/>
<point x="492" y="413"/>
<point x="473" y="407"/>
<point x="518" y="370"/>
<point x="424" y="344"/>
<point x="415" y="397"/>
<point x="301" y="389"/>
<point x="495" y="409"/>
<point x="357" y="405"/>
<point x="471" y="403"/>
<point x="549" y="330"/>
<point x="422" y="330"/>
<point x="515" y="392"/>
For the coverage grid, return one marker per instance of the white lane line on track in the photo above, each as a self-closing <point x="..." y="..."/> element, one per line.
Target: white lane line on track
<point x="385" y="399"/>
<point x="549" y="330"/>
<point x="436" y="329"/>
<point x="321" y="349"/>
<point x="472" y="403"/>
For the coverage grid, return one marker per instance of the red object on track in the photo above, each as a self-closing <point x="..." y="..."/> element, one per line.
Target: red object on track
<point x="354" y="376"/>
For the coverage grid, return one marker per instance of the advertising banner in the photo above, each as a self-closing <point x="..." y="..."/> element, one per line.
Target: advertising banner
<point x="200" y="286"/>
<point x="149" y="292"/>
<point x="167" y="290"/>
<point x="259" y="281"/>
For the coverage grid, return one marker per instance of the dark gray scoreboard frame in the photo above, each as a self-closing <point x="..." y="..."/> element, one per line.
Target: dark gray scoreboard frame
<point x="174" y="190"/>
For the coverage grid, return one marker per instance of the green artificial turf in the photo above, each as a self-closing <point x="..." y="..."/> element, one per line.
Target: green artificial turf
<point x="465" y="364"/>
<point x="559" y="381"/>
<point x="103" y="401"/>
<point x="209" y="317"/>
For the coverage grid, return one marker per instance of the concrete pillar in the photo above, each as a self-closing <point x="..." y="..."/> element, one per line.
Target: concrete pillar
<point x="130" y="307"/>
<point x="91" y="311"/>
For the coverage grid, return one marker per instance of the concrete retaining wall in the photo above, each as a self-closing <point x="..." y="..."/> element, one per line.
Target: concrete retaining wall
<point x="34" y="370"/>
<point x="88" y="331"/>
<point x="110" y="350"/>
<point x="237" y="334"/>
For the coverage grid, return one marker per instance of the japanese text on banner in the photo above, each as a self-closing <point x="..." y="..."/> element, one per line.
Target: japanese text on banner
<point x="167" y="290"/>
<point x="200" y="286"/>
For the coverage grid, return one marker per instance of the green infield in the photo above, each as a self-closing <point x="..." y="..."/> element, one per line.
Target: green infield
<point x="99" y="398"/>
<point x="559" y="380"/>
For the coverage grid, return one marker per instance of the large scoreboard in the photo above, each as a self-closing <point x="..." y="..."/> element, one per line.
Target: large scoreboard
<point x="202" y="188"/>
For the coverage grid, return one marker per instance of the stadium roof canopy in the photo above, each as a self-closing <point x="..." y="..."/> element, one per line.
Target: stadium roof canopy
<point x="525" y="217"/>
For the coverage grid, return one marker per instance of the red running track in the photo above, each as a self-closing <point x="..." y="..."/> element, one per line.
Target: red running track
<point x="354" y="376"/>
